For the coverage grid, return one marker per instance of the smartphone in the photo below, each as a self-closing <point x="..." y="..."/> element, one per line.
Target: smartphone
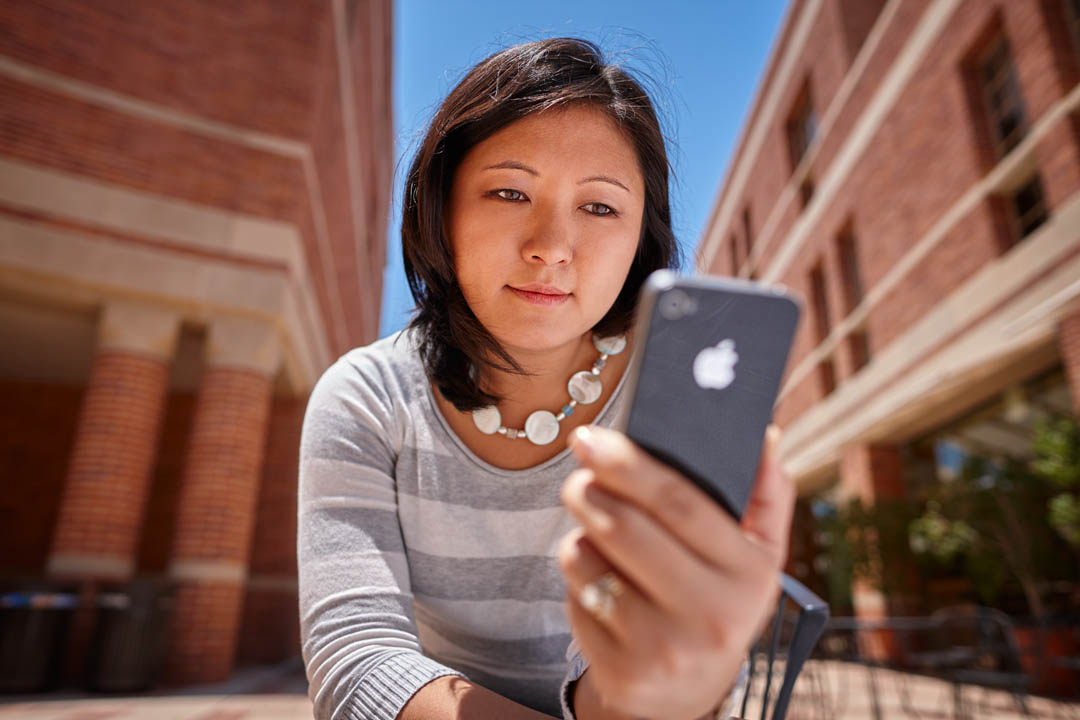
<point x="709" y="357"/>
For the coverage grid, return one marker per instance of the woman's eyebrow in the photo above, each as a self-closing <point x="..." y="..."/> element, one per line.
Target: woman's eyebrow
<point x="515" y="165"/>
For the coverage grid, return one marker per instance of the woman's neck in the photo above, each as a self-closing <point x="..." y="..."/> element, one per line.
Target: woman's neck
<point x="544" y="388"/>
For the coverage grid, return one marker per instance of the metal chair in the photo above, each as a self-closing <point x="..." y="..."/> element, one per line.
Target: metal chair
<point x="972" y="645"/>
<point x="789" y="648"/>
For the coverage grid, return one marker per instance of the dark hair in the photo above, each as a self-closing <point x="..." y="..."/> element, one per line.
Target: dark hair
<point x="505" y="87"/>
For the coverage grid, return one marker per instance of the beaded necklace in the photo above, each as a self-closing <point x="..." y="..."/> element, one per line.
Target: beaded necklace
<point x="542" y="426"/>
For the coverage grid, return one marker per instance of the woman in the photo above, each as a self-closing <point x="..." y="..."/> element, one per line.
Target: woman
<point x="465" y="508"/>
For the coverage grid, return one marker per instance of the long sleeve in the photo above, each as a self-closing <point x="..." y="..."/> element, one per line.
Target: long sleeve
<point x="358" y="630"/>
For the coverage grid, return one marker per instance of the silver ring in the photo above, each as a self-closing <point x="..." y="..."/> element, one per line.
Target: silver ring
<point x="598" y="597"/>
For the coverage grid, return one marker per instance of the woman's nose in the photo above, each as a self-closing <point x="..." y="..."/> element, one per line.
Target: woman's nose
<point x="550" y="242"/>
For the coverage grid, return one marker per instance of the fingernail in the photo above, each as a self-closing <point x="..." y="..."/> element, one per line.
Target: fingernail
<point x="581" y="442"/>
<point x="773" y="435"/>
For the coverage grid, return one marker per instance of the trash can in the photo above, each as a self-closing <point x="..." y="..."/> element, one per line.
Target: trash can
<point x="34" y="620"/>
<point x="130" y="633"/>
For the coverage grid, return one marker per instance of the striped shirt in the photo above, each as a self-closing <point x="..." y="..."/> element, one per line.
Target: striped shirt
<point x="418" y="559"/>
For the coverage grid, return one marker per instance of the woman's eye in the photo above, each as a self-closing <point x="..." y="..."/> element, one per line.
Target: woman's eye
<point x="599" y="209"/>
<point x="511" y="195"/>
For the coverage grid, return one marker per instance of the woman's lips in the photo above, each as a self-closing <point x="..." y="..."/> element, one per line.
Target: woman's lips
<point x="539" y="298"/>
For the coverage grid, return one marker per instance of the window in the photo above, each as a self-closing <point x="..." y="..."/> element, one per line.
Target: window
<point x="827" y="374"/>
<point x="806" y="191"/>
<point x="747" y="232"/>
<point x="734" y="256"/>
<point x="821" y="302"/>
<point x="1001" y="95"/>
<point x="1028" y="207"/>
<point x="859" y="349"/>
<point x="1072" y="16"/>
<point x="849" y="266"/>
<point x="801" y="126"/>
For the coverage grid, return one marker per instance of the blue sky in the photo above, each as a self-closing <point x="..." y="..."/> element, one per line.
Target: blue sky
<point x="704" y="56"/>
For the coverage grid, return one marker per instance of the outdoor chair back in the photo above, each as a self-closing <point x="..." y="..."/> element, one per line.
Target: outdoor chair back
<point x="799" y="620"/>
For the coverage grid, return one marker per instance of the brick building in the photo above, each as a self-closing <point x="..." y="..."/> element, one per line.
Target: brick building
<point x="193" y="205"/>
<point x="912" y="169"/>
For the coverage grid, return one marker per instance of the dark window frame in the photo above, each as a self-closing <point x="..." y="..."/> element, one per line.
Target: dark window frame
<point x="1002" y="98"/>
<point x="858" y="343"/>
<point x="847" y="250"/>
<point x="819" y="293"/>
<point x="1072" y="19"/>
<point x="735" y="265"/>
<point x="827" y="375"/>
<point x="1027" y="221"/>
<point x="802" y="125"/>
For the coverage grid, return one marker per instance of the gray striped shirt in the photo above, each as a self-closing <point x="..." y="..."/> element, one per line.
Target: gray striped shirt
<point x="417" y="558"/>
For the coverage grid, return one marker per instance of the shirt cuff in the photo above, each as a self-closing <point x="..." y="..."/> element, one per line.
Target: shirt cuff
<point x="388" y="686"/>
<point x="576" y="666"/>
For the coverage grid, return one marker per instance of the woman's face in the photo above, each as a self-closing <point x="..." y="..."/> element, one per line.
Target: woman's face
<point x="543" y="222"/>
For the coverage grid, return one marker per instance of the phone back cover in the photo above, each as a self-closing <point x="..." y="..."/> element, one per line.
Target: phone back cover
<point x="740" y="334"/>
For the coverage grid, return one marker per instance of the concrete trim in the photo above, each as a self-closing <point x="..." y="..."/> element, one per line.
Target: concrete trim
<point x="1002" y="177"/>
<point x="349" y="124"/>
<point x="888" y="392"/>
<point x="99" y="204"/>
<point x="139" y="327"/>
<point x="246" y="343"/>
<point x="97" y="95"/>
<point x="208" y="571"/>
<point x="753" y="137"/>
<point x="922" y="37"/>
<point x="36" y="260"/>
<point x="301" y="151"/>
<point x="110" y="567"/>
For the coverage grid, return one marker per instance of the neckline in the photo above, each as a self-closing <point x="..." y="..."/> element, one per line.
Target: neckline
<point x="488" y="467"/>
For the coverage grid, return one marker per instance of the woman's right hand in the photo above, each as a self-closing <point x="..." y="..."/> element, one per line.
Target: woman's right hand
<point x="696" y="584"/>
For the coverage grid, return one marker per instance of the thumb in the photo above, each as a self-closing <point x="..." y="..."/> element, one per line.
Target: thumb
<point x="772" y="500"/>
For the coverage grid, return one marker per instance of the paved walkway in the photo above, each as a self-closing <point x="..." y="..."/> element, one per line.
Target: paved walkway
<point x="825" y="691"/>
<point x="267" y="693"/>
<point x="847" y="691"/>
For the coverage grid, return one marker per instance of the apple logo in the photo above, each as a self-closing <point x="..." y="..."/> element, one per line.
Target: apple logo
<point x="714" y="367"/>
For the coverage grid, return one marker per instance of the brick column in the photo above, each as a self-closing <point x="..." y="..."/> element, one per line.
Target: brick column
<point x="871" y="473"/>
<point x="216" y="508"/>
<point x="97" y="530"/>
<point x="1069" y="342"/>
<point x="112" y="459"/>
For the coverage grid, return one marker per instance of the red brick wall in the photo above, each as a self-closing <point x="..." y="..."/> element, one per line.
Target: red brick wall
<point x="269" y="67"/>
<point x="212" y="59"/>
<point x="37" y="431"/>
<point x="926" y="154"/>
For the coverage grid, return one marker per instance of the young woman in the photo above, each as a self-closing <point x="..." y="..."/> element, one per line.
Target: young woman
<point x="475" y="541"/>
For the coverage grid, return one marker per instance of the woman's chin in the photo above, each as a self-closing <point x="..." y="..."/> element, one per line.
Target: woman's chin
<point x="540" y="336"/>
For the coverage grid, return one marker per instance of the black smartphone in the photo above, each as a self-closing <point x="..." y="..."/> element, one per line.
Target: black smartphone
<point x="710" y="354"/>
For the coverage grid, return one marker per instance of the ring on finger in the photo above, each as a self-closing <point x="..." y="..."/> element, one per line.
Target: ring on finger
<point x="598" y="597"/>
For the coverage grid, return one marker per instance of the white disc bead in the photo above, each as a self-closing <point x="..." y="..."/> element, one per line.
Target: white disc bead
<point x="610" y="345"/>
<point x="487" y="419"/>
<point x="541" y="427"/>
<point x="585" y="387"/>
